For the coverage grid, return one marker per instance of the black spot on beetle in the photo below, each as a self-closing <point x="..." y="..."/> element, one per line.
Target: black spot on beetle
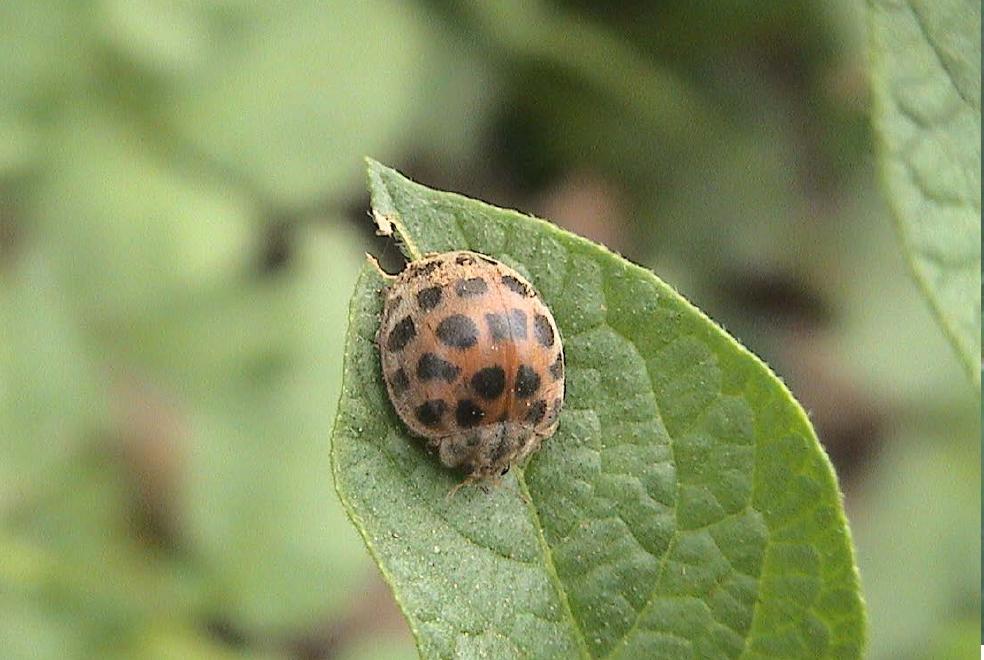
<point x="505" y="471"/>
<point x="464" y="260"/>
<point x="431" y="367"/>
<point x="468" y="414"/>
<point x="430" y="412"/>
<point x="517" y="324"/>
<point x="498" y="327"/>
<point x="473" y="286"/>
<point x="543" y="330"/>
<point x="458" y="331"/>
<point x="429" y="298"/>
<point x="517" y="286"/>
<point x="400" y="381"/>
<point x="557" y="368"/>
<point x="536" y="412"/>
<point x="507" y="328"/>
<point x="527" y="381"/>
<point x="401" y="334"/>
<point x="489" y="382"/>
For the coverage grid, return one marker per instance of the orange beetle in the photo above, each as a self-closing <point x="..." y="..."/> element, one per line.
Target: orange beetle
<point x="473" y="361"/>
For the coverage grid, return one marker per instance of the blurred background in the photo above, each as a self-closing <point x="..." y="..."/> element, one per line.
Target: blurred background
<point x="182" y="215"/>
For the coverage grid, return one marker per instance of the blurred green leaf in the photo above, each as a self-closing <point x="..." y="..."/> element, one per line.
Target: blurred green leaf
<point x="170" y="641"/>
<point x="540" y="31"/>
<point x="20" y="143"/>
<point x="926" y="77"/>
<point x="42" y="51"/>
<point x="465" y="86"/>
<point x="73" y="571"/>
<point x="300" y="91"/>
<point x="161" y="269"/>
<point x="163" y="36"/>
<point x="583" y="96"/>
<point x="751" y="218"/>
<point x="252" y="399"/>
<point x="380" y="648"/>
<point x="881" y="315"/>
<point x="49" y="399"/>
<point x="683" y="508"/>
<point x="41" y="58"/>
<point x="918" y="517"/>
<point x="131" y="233"/>
<point x="259" y="422"/>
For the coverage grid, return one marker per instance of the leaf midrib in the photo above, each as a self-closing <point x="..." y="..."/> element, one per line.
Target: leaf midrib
<point x="551" y="568"/>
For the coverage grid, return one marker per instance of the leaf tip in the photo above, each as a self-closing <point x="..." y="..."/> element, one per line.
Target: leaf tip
<point x="384" y="212"/>
<point x="376" y="172"/>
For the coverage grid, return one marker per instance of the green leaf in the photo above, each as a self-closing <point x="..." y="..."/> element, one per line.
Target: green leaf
<point x="922" y="509"/>
<point x="258" y="473"/>
<point x="74" y="580"/>
<point x="130" y="233"/>
<point x="50" y="403"/>
<point x="684" y="507"/>
<point x="926" y="78"/>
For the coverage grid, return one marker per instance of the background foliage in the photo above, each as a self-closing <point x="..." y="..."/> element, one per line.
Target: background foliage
<point x="182" y="218"/>
<point x="926" y="82"/>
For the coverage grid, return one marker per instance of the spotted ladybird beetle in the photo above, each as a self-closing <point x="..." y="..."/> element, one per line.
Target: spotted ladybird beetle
<point x="472" y="360"/>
